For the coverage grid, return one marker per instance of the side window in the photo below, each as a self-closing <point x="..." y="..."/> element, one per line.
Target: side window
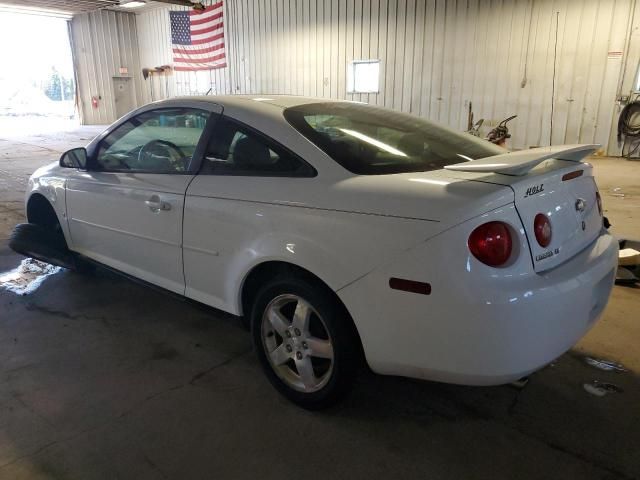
<point x="159" y="141"/>
<point x="238" y="150"/>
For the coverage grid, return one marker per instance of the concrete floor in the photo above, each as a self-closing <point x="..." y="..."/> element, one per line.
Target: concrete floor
<point x="103" y="378"/>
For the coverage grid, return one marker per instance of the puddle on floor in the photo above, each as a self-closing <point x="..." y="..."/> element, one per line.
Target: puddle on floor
<point x="600" y="389"/>
<point x="27" y="277"/>
<point x="606" y="365"/>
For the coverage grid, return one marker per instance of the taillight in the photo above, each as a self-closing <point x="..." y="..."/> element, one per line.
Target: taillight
<point x="491" y="243"/>
<point x="542" y="229"/>
<point x="599" y="202"/>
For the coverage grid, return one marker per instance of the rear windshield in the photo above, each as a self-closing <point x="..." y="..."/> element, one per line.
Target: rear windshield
<point x="367" y="140"/>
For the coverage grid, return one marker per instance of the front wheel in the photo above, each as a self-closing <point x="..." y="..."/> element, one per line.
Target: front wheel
<point x="304" y="341"/>
<point x="42" y="243"/>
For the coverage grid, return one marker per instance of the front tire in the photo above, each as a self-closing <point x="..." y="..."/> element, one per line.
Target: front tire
<point x="41" y="243"/>
<point x="304" y="341"/>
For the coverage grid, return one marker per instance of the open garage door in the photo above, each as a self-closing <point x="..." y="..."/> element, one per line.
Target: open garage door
<point x="37" y="81"/>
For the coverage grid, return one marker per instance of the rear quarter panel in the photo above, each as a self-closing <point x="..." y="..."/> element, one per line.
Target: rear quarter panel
<point x="225" y="238"/>
<point x="444" y="331"/>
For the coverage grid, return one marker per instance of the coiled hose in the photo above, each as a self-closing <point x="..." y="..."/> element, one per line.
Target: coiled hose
<point x="629" y="127"/>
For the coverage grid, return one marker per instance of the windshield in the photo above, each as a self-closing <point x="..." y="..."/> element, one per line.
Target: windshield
<point x="368" y="140"/>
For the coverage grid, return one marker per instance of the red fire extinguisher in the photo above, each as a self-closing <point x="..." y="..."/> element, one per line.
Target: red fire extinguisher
<point x="94" y="102"/>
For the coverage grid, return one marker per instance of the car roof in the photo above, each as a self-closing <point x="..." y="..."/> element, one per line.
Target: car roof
<point x="245" y="101"/>
<point x="265" y="114"/>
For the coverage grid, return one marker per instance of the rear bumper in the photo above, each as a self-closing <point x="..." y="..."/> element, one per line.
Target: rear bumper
<point x="479" y="328"/>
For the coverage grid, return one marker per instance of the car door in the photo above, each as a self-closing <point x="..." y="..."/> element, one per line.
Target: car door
<point x="220" y="225"/>
<point x="126" y="210"/>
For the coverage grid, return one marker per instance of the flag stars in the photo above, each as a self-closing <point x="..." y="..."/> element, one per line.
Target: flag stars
<point x="180" y="28"/>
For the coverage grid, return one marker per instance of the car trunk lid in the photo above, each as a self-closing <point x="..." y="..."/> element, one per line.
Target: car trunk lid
<point x="552" y="181"/>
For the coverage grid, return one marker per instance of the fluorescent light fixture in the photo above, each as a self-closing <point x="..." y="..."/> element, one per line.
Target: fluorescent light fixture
<point x="374" y="142"/>
<point x="262" y="99"/>
<point x="133" y="4"/>
<point x="43" y="12"/>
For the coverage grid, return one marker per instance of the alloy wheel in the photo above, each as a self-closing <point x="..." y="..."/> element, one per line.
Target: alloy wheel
<point x="297" y="343"/>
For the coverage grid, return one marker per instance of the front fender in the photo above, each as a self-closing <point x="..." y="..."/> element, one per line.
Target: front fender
<point x="50" y="183"/>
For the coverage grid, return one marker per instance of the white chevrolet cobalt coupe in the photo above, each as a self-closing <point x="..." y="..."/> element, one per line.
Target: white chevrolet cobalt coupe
<point x="342" y="232"/>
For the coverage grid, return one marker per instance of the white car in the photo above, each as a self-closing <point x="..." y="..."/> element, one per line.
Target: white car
<point x="342" y="232"/>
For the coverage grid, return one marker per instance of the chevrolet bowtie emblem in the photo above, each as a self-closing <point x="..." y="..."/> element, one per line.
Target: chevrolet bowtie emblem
<point x="580" y="205"/>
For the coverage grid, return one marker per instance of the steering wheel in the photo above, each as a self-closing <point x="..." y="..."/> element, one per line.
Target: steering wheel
<point x="162" y="148"/>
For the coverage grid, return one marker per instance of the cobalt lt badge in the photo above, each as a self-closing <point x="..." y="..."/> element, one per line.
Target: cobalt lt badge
<point x="580" y="205"/>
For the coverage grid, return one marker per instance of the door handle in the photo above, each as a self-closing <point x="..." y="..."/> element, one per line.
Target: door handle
<point x="156" y="205"/>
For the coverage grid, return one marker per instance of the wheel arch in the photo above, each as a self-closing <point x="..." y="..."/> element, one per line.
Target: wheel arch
<point x="40" y="211"/>
<point x="270" y="268"/>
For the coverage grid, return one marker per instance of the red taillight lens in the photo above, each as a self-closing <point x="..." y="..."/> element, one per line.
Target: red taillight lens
<point x="599" y="202"/>
<point x="491" y="243"/>
<point x="542" y="228"/>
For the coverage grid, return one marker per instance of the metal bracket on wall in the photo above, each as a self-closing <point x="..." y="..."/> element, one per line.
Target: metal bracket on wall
<point x="184" y="3"/>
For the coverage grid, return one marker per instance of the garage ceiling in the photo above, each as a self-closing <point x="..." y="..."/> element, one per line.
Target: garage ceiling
<point x="75" y="6"/>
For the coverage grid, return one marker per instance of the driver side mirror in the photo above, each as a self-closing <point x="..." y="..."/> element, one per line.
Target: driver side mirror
<point x="74" y="158"/>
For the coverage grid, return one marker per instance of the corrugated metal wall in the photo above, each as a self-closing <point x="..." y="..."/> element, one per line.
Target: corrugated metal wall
<point x="436" y="55"/>
<point x="102" y="42"/>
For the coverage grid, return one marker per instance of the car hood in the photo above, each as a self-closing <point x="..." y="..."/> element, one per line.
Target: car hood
<point x="52" y="168"/>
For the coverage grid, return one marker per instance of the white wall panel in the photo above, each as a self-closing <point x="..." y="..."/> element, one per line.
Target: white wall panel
<point x="102" y="42"/>
<point x="436" y="55"/>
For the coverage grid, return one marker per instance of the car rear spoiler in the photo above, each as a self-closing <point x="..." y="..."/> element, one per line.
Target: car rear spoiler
<point x="520" y="162"/>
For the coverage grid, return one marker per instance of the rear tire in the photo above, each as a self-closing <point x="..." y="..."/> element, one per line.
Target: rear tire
<point x="42" y="243"/>
<point x="304" y="340"/>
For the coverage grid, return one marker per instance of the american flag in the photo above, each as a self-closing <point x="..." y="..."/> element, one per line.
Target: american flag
<point x="197" y="39"/>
